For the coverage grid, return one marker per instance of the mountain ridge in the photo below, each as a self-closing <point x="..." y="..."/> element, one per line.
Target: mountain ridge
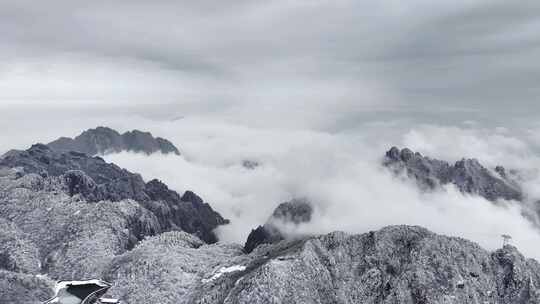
<point x="94" y="180"/>
<point x="104" y="140"/>
<point x="395" y="264"/>
<point x="468" y="175"/>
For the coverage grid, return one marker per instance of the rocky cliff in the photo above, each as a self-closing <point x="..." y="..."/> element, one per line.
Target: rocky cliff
<point x="468" y="175"/>
<point x="103" y="140"/>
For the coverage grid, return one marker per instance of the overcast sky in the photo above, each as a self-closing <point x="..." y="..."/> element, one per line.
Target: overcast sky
<point x="316" y="91"/>
<point x="326" y="62"/>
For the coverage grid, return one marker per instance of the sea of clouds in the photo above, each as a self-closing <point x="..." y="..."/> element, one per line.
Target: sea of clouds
<point x="341" y="174"/>
<point x="339" y="171"/>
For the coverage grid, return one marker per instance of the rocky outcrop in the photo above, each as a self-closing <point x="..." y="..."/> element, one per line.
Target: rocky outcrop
<point x="103" y="140"/>
<point x="295" y="212"/>
<point x="112" y="182"/>
<point x="93" y="180"/>
<point x="468" y="175"/>
<point x="250" y="164"/>
<point x="266" y="234"/>
<point x="187" y="213"/>
<point x="79" y="183"/>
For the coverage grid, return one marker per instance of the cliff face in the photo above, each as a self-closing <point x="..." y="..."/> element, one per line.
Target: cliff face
<point x="468" y="175"/>
<point x="103" y="140"/>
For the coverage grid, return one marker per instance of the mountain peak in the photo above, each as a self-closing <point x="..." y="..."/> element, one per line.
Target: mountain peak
<point x="468" y="175"/>
<point x="296" y="211"/>
<point x="103" y="140"/>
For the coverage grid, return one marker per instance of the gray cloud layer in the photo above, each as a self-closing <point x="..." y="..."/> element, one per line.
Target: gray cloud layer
<point x="324" y="61"/>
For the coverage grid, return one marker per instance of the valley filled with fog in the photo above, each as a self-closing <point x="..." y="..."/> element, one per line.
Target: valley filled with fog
<point x="341" y="174"/>
<point x="339" y="171"/>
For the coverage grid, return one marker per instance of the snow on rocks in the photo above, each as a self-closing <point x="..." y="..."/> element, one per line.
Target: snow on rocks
<point x="224" y="270"/>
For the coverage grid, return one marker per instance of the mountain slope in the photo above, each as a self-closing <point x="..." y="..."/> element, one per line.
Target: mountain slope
<point x="397" y="264"/>
<point x="68" y="215"/>
<point x="103" y="140"/>
<point x="94" y="180"/>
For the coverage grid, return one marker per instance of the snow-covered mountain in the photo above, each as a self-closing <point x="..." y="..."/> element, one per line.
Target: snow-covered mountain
<point x="70" y="216"/>
<point x="468" y="175"/>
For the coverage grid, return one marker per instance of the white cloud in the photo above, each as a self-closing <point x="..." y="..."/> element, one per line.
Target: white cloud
<point x="492" y="146"/>
<point x="340" y="173"/>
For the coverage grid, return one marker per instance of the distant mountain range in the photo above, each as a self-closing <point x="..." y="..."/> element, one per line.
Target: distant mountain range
<point x="104" y="140"/>
<point x="69" y="216"/>
<point x="468" y="175"/>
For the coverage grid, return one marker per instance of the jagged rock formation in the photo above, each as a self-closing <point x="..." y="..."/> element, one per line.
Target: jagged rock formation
<point x="250" y="164"/>
<point x="113" y="182"/>
<point x="468" y="175"/>
<point x="188" y="212"/>
<point x="94" y="180"/>
<point x="103" y="140"/>
<point x="397" y="264"/>
<point x="296" y="211"/>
